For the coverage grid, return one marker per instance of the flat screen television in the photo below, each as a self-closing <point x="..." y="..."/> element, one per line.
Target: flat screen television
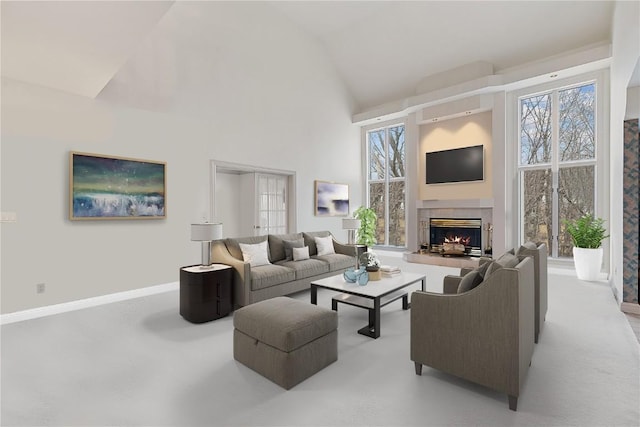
<point x="457" y="165"/>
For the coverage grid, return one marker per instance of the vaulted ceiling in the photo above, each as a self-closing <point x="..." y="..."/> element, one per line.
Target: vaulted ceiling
<point x="381" y="49"/>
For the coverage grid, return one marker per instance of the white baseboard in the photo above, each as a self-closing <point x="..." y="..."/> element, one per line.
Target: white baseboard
<point x="49" y="310"/>
<point x="630" y="307"/>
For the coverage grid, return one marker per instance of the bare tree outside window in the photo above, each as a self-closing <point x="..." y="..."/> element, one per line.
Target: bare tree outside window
<point x="386" y="182"/>
<point x="557" y="173"/>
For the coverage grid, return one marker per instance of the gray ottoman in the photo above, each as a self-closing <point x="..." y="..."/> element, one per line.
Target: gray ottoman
<point x="284" y="339"/>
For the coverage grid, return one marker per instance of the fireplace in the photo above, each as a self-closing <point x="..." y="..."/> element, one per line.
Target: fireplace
<point x="456" y="236"/>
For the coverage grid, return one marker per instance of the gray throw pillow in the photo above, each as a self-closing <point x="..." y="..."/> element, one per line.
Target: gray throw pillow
<point x="469" y="281"/>
<point x="289" y="245"/>
<point x="507" y="260"/>
<point x="528" y="245"/>
<point x="482" y="269"/>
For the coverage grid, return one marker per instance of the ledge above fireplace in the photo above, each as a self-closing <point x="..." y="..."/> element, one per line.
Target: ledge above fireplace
<point x="454" y="204"/>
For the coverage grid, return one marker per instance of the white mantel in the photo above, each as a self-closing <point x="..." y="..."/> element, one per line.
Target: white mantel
<point x="454" y="204"/>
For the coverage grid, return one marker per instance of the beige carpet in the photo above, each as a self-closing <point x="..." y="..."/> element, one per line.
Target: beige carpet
<point x="138" y="363"/>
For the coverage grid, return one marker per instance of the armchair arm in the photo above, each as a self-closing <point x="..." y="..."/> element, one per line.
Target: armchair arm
<point x="242" y="272"/>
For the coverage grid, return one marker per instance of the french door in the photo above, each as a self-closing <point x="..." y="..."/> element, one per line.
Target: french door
<point x="271" y="204"/>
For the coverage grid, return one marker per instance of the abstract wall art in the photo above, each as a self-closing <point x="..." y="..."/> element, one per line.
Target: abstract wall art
<point x="332" y="199"/>
<point x="107" y="187"/>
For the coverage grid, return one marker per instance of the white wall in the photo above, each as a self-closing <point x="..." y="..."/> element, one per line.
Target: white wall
<point x="625" y="53"/>
<point x="633" y="102"/>
<point x="255" y="91"/>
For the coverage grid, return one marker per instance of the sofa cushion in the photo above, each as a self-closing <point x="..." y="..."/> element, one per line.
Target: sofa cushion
<point x="256" y="254"/>
<point x="310" y="241"/>
<point x="337" y="261"/>
<point x="233" y="244"/>
<point x="269" y="275"/>
<point x="277" y="250"/>
<point x="306" y="268"/>
<point x="508" y="260"/>
<point x="300" y="254"/>
<point x="469" y="281"/>
<point x="325" y="245"/>
<point x="289" y="245"/>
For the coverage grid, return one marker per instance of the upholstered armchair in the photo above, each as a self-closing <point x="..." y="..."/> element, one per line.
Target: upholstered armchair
<point x="539" y="253"/>
<point x="484" y="335"/>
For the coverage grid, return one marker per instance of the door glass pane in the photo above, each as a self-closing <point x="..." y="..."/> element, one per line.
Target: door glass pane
<point x="575" y="199"/>
<point x="535" y="130"/>
<point x="272" y="210"/>
<point x="376" y="155"/>
<point x="396" y="214"/>
<point x="537" y="205"/>
<point x="577" y="123"/>
<point x="396" y="152"/>
<point x="377" y="203"/>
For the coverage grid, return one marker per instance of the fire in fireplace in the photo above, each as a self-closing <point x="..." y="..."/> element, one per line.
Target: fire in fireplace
<point x="456" y="236"/>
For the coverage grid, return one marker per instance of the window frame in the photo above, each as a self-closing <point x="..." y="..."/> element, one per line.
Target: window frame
<point x="600" y="160"/>
<point x="387" y="179"/>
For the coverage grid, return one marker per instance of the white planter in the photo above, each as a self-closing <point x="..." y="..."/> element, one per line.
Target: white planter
<point x="588" y="263"/>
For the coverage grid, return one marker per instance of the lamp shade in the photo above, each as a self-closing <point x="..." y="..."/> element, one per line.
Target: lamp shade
<point x="206" y="232"/>
<point x="350" y="224"/>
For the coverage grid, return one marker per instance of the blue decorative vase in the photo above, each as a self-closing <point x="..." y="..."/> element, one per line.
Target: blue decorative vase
<point x="359" y="276"/>
<point x="363" y="278"/>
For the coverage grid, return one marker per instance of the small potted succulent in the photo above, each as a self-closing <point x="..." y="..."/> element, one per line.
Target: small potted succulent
<point x="371" y="263"/>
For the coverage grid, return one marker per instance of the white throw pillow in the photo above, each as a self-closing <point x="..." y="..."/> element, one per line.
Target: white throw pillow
<point x="325" y="245"/>
<point x="255" y="255"/>
<point x="300" y="253"/>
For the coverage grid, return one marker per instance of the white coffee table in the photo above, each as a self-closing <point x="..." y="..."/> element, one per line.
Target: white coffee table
<point x="372" y="296"/>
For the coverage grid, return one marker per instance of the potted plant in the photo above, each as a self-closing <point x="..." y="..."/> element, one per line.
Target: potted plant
<point x="366" y="234"/>
<point x="587" y="234"/>
<point x="371" y="263"/>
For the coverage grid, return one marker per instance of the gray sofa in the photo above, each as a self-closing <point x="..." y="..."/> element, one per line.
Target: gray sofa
<point x="282" y="276"/>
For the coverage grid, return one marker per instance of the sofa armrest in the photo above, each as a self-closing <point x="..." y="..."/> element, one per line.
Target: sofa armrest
<point x="450" y="284"/>
<point x="344" y="249"/>
<point x="242" y="272"/>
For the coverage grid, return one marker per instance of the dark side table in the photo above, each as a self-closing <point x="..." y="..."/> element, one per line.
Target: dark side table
<point x="206" y="293"/>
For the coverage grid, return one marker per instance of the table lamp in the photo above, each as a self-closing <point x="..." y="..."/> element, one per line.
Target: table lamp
<point x="351" y="224"/>
<point x="205" y="233"/>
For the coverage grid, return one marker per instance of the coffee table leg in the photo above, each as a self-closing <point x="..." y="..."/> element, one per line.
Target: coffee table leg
<point x="372" y="330"/>
<point x="405" y="302"/>
<point x="314" y="294"/>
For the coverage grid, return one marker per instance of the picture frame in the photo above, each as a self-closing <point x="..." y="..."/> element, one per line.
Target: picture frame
<point x="105" y="187"/>
<point x="331" y="199"/>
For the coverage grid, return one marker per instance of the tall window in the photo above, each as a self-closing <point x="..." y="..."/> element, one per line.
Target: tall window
<point x="557" y="165"/>
<point x="386" y="183"/>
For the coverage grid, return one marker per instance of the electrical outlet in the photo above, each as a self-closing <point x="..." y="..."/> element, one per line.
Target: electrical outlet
<point x="40" y="288"/>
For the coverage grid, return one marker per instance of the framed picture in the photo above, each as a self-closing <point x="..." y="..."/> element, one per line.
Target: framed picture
<point x="107" y="187"/>
<point x="332" y="199"/>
